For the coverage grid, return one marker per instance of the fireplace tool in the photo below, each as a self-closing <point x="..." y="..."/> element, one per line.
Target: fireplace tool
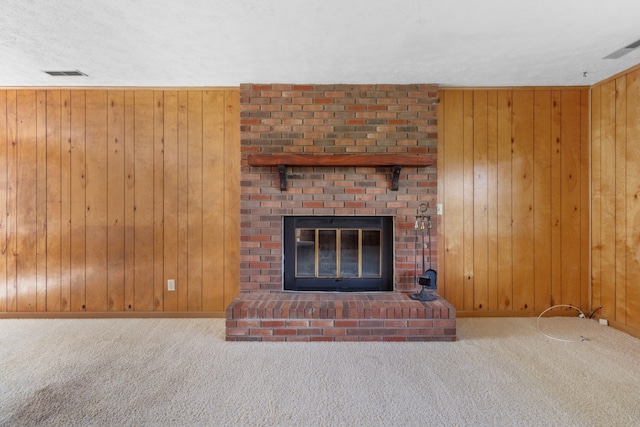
<point x="427" y="279"/>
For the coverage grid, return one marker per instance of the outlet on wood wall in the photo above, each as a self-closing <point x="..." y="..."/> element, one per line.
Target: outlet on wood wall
<point x="105" y="195"/>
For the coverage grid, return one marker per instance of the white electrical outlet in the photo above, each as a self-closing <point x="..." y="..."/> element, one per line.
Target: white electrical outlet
<point x="439" y="208"/>
<point x="171" y="285"/>
<point x="604" y="322"/>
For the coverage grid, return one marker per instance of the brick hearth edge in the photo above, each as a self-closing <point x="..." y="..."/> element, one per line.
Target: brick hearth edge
<point x="302" y="316"/>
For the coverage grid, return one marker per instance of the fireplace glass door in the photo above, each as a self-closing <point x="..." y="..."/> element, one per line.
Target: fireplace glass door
<point x="338" y="253"/>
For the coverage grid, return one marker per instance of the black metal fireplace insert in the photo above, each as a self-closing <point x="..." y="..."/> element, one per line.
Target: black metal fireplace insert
<point x="338" y="253"/>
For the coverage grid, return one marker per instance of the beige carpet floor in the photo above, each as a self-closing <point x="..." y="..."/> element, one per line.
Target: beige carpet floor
<point x="181" y="372"/>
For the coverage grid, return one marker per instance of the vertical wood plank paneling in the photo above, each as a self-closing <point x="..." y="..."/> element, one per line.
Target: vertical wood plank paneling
<point x="596" y="288"/>
<point x="96" y="200"/>
<point x="522" y="196"/>
<point x="633" y="200"/>
<point x="567" y="156"/>
<point x="170" y="197"/>
<point x="442" y="190"/>
<point x="571" y="191"/>
<point x="96" y="185"/>
<point x="231" y="196"/>
<point x="468" y="202"/>
<point x="620" y="196"/>
<point x="585" y="200"/>
<point x="158" y="201"/>
<point x="26" y="224"/>
<point x="556" y="198"/>
<point x="65" y="198"/>
<point x="453" y="155"/>
<point x="529" y="148"/>
<point x="41" y="200"/>
<point x="492" y="199"/>
<point x="182" y="285"/>
<point x="213" y="193"/>
<point x="480" y="201"/>
<point x="78" y="200"/>
<point x="607" y="198"/>
<point x="115" y="201"/>
<point x="542" y="198"/>
<point x="129" y="200"/>
<point x="505" y="244"/>
<point x="194" y="222"/>
<point x="12" y="184"/>
<point x="143" y="207"/>
<point x="3" y="200"/>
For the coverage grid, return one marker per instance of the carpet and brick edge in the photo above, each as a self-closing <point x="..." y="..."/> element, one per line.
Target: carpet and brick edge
<point x="263" y="316"/>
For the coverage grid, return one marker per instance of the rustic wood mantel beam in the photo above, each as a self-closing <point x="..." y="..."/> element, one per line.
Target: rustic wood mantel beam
<point x="281" y="161"/>
<point x="341" y="160"/>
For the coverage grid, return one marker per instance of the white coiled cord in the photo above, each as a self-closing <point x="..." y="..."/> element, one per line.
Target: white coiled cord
<point x="581" y="315"/>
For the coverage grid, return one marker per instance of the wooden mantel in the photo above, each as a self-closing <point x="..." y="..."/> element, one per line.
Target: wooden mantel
<point x="281" y="161"/>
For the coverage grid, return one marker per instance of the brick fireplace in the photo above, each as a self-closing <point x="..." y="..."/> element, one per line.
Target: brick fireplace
<point x="338" y="120"/>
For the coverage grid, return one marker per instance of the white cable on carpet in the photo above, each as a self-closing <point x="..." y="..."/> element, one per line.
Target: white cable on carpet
<point x="581" y="315"/>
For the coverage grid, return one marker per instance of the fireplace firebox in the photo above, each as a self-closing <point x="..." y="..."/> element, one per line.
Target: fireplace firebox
<point x="338" y="253"/>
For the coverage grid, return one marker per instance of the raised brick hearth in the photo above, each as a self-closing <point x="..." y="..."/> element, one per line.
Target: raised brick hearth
<point x="363" y="120"/>
<point x="301" y="316"/>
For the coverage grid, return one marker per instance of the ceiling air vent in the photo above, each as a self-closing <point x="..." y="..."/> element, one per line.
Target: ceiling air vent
<point x="621" y="52"/>
<point x="65" y="73"/>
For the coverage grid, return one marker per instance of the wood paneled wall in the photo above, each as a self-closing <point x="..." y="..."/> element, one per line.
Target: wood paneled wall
<point x="107" y="194"/>
<point x="513" y="170"/>
<point x="615" y="230"/>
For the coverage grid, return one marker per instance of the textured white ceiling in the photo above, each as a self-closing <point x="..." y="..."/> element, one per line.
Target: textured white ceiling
<point x="228" y="42"/>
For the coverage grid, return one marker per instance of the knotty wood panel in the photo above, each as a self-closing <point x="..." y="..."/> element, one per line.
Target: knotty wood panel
<point x="492" y="200"/>
<point x="607" y="186"/>
<point x="468" y="205"/>
<point x="54" y="202"/>
<point x="41" y="201"/>
<point x="451" y="156"/>
<point x="158" y="201"/>
<point x="633" y="202"/>
<point x="615" y="182"/>
<point x="115" y="201"/>
<point x="585" y="199"/>
<point x="12" y="185"/>
<point x="480" y="200"/>
<point x="170" y="230"/>
<point x="504" y="237"/>
<point x="129" y="200"/>
<point x="194" y="199"/>
<point x="65" y="200"/>
<point x="621" y="195"/>
<point x="107" y="194"/>
<point x="542" y="198"/>
<point x="596" y="178"/>
<point x="96" y="200"/>
<point x="26" y="188"/>
<point x="78" y="202"/>
<point x="556" y="197"/>
<point x="213" y="148"/>
<point x="522" y="164"/>
<point x="571" y="151"/>
<point x="231" y="198"/>
<point x="183" y="205"/>
<point x="530" y="147"/>
<point x="3" y="200"/>
<point x="143" y="207"/>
